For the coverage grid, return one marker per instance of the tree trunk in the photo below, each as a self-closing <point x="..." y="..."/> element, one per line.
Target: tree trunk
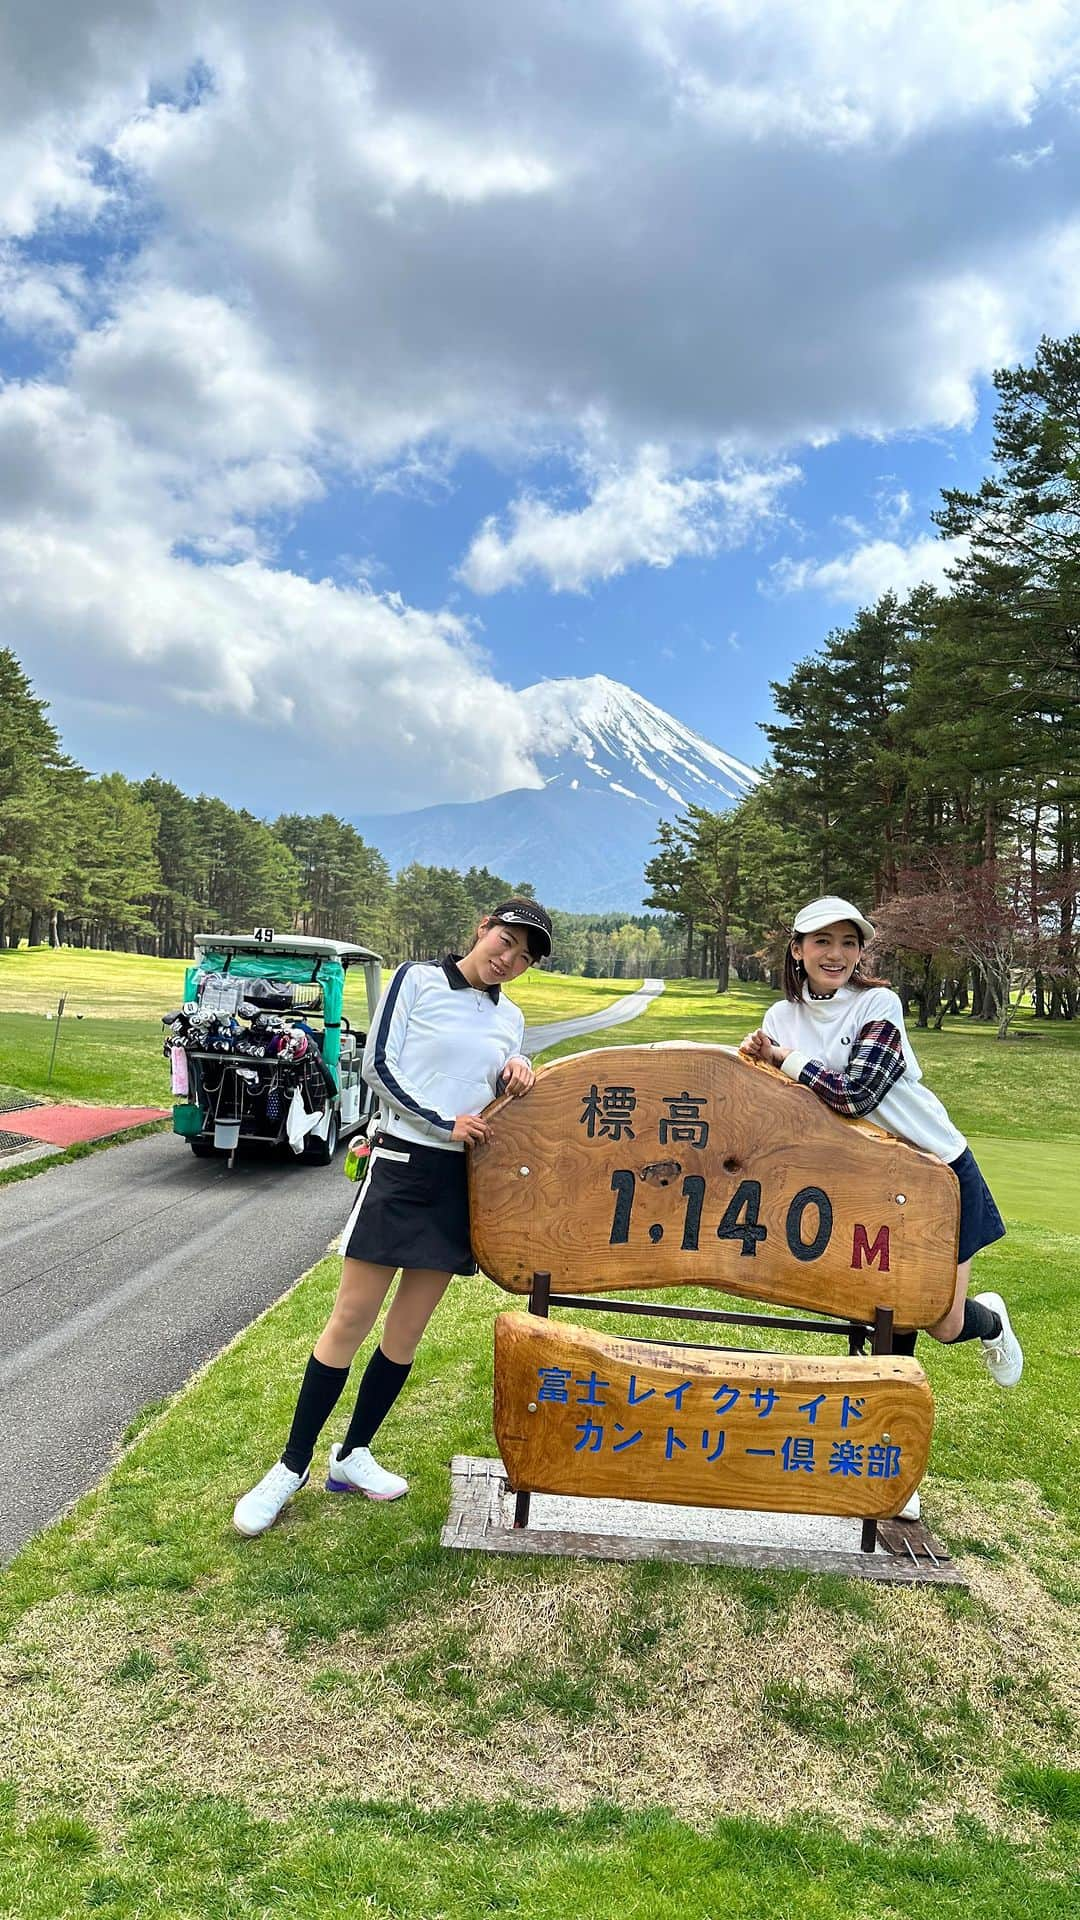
<point x="976" y="995"/>
<point x="1005" y="1008"/>
<point x="992" y="998"/>
<point x="1067" y="917"/>
<point x="723" y="965"/>
<point x="926" y="993"/>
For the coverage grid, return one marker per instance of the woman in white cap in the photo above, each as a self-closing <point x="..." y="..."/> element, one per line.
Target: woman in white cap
<point x="443" y="1042"/>
<point x="841" y="1032"/>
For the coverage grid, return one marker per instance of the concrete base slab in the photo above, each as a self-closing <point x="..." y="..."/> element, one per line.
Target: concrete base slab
<point x="481" y="1517"/>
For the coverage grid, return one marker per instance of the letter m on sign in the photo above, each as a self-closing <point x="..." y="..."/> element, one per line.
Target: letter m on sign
<point x="864" y="1255"/>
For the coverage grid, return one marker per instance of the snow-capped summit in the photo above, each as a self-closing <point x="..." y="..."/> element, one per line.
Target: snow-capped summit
<point x="621" y="739"/>
<point x="613" y="765"/>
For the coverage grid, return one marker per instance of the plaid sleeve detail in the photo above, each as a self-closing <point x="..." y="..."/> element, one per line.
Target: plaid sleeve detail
<point x="876" y="1061"/>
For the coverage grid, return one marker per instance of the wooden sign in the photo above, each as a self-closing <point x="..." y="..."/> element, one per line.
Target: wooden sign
<point x="579" y="1413"/>
<point x="687" y="1165"/>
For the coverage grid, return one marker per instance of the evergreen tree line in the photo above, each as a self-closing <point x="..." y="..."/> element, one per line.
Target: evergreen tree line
<point x="926" y="761"/>
<point x="139" y="865"/>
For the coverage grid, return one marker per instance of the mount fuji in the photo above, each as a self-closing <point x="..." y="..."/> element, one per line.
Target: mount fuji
<point x="612" y="765"/>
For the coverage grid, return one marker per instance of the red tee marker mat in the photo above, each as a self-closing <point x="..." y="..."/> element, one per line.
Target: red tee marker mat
<point x="66" y="1126"/>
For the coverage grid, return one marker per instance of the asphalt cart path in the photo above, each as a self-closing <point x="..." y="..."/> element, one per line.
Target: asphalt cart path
<point x="119" y="1276"/>
<point x="620" y="1011"/>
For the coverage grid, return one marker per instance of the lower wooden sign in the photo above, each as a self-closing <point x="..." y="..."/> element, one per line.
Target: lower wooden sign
<point x="578" y="1412"/>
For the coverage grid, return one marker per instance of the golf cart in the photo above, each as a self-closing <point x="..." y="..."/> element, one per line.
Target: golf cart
<point x="262" y="1050"/>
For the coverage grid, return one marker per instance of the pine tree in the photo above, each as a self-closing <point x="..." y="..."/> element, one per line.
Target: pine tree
<point x="40" y="797"/>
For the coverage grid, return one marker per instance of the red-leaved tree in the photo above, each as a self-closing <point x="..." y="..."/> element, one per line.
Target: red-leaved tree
<point x="996" y="918"/>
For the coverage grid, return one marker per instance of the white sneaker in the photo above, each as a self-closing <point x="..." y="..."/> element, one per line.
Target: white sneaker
<point x="1004" y="1356"/>
<point x="912" y="1510"/>
<point x="359" y="1473"/>
<point x="257" y="1510"/>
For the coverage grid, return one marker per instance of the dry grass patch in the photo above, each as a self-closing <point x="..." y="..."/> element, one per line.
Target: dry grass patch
<point x="695" y="1690"/>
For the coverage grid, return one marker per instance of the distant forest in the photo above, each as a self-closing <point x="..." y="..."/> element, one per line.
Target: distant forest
<point x="925" y="763"/>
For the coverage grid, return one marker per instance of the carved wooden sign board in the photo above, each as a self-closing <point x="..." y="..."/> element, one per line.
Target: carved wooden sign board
<point x="689" y="1166"/>
<point x="683" y="1165"/>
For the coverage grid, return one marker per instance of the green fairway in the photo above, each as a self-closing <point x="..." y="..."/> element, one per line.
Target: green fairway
<point x="109" y="1046"/>
<point x="119" y="985"/>
<point x="123" y="985"/>
<point x="1025" y="1087"/>
<point x="342" y="1717"/>
<point x="105" y="1062"/>
<point x="1033" y="1180"/>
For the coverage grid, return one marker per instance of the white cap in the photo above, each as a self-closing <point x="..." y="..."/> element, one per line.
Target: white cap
<point x="822" y="913"/>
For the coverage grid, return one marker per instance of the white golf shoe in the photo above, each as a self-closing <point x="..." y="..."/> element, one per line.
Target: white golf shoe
<point x="359" y="1473"/>
<point x="1004" y="1356"/>
<point x="257" y="1510"/>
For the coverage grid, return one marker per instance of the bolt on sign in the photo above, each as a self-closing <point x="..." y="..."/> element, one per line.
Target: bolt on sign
<point x="579" y="1413"/>
<point x="685" y="1165"/>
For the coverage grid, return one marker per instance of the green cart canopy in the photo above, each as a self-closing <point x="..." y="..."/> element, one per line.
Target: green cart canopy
<point x="294" y="958"/>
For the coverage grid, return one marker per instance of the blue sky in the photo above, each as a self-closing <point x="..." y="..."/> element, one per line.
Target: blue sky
<point x="703" y="637"/>
<point x="359" y="368"/>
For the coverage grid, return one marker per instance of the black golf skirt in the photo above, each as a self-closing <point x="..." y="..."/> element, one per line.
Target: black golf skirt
<point x="980" y="1222"/>
<point x="412" y="1209"/>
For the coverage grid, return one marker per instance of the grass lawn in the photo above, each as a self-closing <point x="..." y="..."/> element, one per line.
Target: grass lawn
<point x="102" y="1062"/>
<point x="340" y="1718"/>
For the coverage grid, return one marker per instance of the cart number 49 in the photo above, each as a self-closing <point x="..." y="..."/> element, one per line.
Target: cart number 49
<point x="265" y="934"/>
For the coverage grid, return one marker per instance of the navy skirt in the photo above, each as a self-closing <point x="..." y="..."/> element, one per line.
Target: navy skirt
<point x="412" y="1209"/>
<point x="980" y="1222"/>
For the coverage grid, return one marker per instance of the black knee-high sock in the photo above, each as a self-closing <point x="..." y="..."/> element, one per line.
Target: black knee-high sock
<point x="904" y="1342"/>
<point x="382" y="1382"/>
<point x="320" y="1391"/>
<point x="980" y="1323"/>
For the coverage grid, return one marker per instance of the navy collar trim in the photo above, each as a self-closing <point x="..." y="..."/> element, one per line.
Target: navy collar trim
<point x="450" y="967"/>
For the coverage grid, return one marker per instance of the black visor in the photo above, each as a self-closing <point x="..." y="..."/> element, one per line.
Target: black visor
<point x="526" y="913"/>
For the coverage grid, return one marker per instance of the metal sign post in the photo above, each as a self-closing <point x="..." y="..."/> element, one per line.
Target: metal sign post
<point x="55" y="1038"/>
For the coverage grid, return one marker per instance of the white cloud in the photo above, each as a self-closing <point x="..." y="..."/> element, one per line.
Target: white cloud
<point x="646" y="517"/>
<point x="892" y="506"/>
<point x="361" y="240"/>
<point x="410" y="156"/>
<point x="851" y="73"/>
<point x="447" y="229"/>
<point x="40" y="177"/>
<point x="398" y="705"/>
<point x="860" y="576"/>
<point x="38" y="300"/>
<point x="191" y="373"/>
